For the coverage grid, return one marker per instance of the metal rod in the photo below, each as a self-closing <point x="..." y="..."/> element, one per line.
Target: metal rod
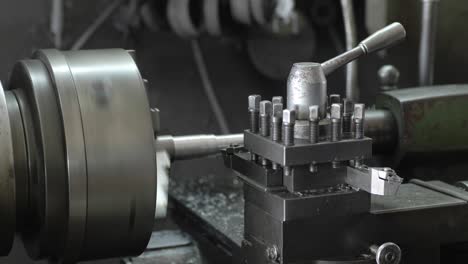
<point x="331" y="65"/>
<point x="56" y="22"/>
<point x="208" y="88"/>
<point x="89" y="32"/>
<point x="196" y="146"/>
<point x="430" y="10"/>
<point x="379" y="124"/>
<point x="383" y="38"/>
<point x="352" y="89"/>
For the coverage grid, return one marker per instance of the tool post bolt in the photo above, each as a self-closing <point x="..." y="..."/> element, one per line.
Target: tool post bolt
<point x="289" y="120"/>
<point x="265" y="115"/>
<point x="276" y="125"/>
<point x="314" y="118"/>
<point x="254" y="108"/>
<point x="348" y="109"/>
<point x="277" y="100"/>
<point x="336" y="119"/>
<point x="358" y="118"/>
<point x="335" y="114"/>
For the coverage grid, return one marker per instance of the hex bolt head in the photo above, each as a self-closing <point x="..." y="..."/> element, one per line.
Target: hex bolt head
<point x="289" y="116"/>
<point x="277" y="100"/>
<point x="265" y="108"/>
<point x="334" y="99"/>
<point x="359" y="111"/>
<point x="314" y="113"/>
<point x="277" y="110"/>
<point x="254" y="102"/>
<point x="335" y="111"/>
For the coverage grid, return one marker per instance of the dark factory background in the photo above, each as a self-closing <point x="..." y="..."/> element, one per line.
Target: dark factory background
<point x="234" y="69"/>
<point x="241" y="60"/>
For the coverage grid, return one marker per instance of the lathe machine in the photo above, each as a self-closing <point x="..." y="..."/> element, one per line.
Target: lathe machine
<point x="84" y="167"/>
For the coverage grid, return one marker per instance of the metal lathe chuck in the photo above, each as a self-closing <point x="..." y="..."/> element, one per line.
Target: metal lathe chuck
<point x="78" y="163"/>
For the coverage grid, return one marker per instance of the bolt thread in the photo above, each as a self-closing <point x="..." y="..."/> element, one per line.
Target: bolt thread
<point x="265" y="125"/>
<point x="336" y="129"/>
<point x="276" y="128"/>
<point x="347" y="124"/>
<point x="288" y="134"/>
<point x="314" y="131"/>
<point x="358" y="128"/>
<point x="328" y="130"/>
<point x="253" y="115"/>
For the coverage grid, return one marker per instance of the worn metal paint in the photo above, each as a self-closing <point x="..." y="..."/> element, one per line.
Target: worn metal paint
<point x="436" y="125"/>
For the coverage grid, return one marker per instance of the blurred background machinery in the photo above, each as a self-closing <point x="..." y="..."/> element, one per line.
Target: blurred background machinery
<point x="201" y="60"/>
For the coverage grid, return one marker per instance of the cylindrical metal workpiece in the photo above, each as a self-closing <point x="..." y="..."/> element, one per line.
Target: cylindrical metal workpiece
<point x="195" y="146"/>
<point x="307" y="86"/>
<point x="265" y="115"/>
<point x="289" y="119"/>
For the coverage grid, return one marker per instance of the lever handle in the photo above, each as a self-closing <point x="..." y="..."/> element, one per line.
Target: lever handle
<point x="383" y="38"/>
